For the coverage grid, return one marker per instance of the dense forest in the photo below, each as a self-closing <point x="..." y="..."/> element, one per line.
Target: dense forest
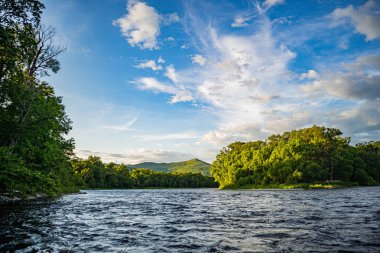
<point x="310" y="155"/>
<point x="92" y="173"/>
<point x="34" y="153"/>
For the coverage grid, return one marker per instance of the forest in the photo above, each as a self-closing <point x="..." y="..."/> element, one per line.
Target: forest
<point x="315" y="155"/>
<point x="93" y="173"/>
<point x="34" y="151"/>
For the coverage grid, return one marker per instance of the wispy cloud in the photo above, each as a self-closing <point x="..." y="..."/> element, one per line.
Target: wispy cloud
<point x="123" y="127"/>
<point x="171" y="73"/>
<point x="270" y="3"/>
<point x="168" y="19"/>
<point x="311" y="74"/>
<point x="249" y="84"/>
<point x="266" y="5"/>
<point x="171" y="136"/>
<point x="134" y="156"/>
<point x="199" y="59"/>
<point x="242" y="78"/>
<point x="240" y="21"/>
<point x="152" y="84"/>
<point x="151" y="64"/>
<point x="276" y="74"/>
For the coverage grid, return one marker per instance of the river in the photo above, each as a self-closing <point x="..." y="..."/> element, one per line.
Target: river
<point x="196" y="220"/>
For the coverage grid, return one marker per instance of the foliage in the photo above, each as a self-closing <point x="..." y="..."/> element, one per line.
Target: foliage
<point x="92" y="173"/>
<point x="310" y="155"/>
<point x="163" y="167"/>
<point x="35" y="152"/>
<point x="191" y="166"/>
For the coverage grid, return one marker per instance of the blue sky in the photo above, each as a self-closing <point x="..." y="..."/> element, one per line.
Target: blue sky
<point x="172" y="80"/>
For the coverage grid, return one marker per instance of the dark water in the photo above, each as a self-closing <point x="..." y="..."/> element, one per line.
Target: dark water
<point x="200" y="220"/>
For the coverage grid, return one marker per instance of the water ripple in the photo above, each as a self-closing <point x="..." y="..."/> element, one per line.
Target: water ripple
<point x="196" y="220"/>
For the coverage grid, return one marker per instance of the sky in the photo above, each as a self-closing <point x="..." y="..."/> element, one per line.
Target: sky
<point x="172" y="80"/>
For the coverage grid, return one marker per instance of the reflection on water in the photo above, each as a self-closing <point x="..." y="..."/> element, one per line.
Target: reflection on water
<point x="197" y="220"/>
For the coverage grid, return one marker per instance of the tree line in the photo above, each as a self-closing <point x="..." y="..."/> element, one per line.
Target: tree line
<point x="310" y="155"/>
<point x="93" y="173"/>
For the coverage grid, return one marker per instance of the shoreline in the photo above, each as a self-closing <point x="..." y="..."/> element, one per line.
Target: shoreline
<point x="299" y="186"/>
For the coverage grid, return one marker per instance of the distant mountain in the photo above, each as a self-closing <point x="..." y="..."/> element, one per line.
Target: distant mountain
<point x="163" y="167"/>
<point x="193" y="165"/>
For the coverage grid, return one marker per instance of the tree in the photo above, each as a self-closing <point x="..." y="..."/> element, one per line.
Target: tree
<point x="314" y="154"/>
<point x="33" y="122"/>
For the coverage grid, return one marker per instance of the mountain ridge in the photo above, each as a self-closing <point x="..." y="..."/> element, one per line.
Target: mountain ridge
<point x="194" y="165"/>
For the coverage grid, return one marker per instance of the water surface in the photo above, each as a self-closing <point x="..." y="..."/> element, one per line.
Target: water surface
<point x="197" y="220"/>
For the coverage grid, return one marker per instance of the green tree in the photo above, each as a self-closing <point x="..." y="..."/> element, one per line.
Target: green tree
<point x="33" y="123"/>
<point x="315" y="154"/>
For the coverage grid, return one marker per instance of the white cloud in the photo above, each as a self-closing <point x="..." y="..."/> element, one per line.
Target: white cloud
<point x="160" y="60"/>
<point x="140" y="25"/>
<point x="348" y="97"/>
<point x="311" y="74"/>
<point x="199" y="59"/>
<point x="270" y="3"/>
<point x="170" y="39"/>
<point x="248" y="83"/>
<point x="171" y="73"/>
<point x="123" y="127"/>
<point x="364" y="18"/>
<point x="240" y="21"/>
<point x="150" y="64"/>
<point x="133" y="156"/>
<point x="252" y="93"/>
<point x="231" y="134"/>
<point x="152" y="84"/>
<point x="171" y="136"/>
<point x="168" y="19"/>
<point x="357" y="80"/>
<point x="244" y="77"/>
<point x="247" y="70"/>
<point x="181" y="96"/>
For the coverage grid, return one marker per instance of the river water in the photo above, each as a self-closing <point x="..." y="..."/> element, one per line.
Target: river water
<point x="197" y="220"/>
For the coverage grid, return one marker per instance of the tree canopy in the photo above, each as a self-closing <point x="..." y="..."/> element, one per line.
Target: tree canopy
<point x="316" y="154"/>
<point x="92" y="173"/>
<point x="34" y="150"/>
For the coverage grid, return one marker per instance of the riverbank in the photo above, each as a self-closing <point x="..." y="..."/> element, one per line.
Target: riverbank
<point x="17" y="196"/>
<point x="304" y="186"/>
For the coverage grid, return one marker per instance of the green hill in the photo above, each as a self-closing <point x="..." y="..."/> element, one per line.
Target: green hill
<point x="163" y="167"/>
<point x="193" y="165"/>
